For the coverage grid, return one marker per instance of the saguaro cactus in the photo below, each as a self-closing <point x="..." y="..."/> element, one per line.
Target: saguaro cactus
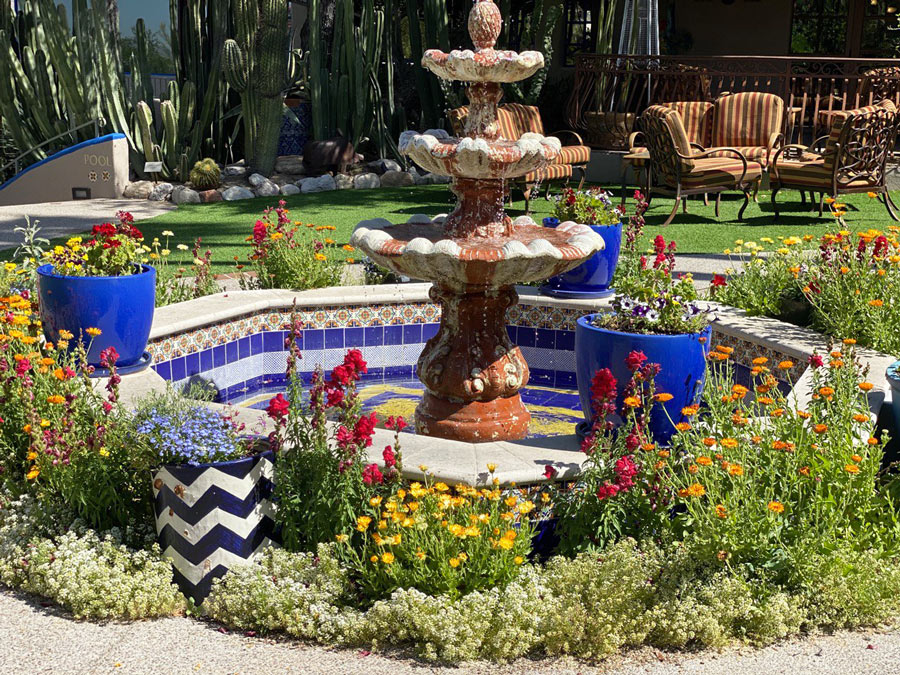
<point x="258" y="64"/>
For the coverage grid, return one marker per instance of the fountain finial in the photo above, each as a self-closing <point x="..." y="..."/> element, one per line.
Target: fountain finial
<point x="485" y="23"/>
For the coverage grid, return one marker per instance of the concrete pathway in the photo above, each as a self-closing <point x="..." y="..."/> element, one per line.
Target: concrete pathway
<point x="38" y="639"/>
<point x="59" y="219"/>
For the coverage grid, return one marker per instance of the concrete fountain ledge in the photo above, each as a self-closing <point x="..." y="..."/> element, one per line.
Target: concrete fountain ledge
<point x="523" y="461"/>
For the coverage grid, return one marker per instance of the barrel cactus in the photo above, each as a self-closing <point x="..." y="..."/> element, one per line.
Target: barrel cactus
<point x="206" y="174"/>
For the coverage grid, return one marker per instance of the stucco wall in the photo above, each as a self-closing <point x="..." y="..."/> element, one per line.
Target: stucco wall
<point x="101" y="167"/>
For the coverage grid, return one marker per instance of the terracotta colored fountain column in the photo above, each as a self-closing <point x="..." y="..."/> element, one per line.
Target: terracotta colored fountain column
<point x="473" y="373"/>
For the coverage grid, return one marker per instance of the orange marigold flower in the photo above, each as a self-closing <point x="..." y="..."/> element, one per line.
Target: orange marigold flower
<point x="683" y="426"/>
<point x="777" y="412"/>
<point x="756" y="440"/>
<point x="724" y="350"/>
<point x="866" y="386"/>
<point x="859" y="417"/>
<point x="56" y="399"/>
<point x="803" y="471"/>
<point x="693" y="468"/>
<point x="740" y="390"/>
<point x="803" y="415"/>
<point x="709" y="441"/>
<point x="719" y="456"/>
<point x="856" y="458"/>
<point x="690" y="410"/>
<point x="876" y="303"/>
<point x="765" y="400"/>
<point x="836" y="363"/>
<point x="826" y="391"/>
<point x="647" y="447"/>
<point x="632" y="401"/>
<point x="694" y="490"/>
<point x="721" y="512"/>
<point x="703" y="460"/>
<point x="849" y="341"/>
<point x="735" y="470"/>
<point x="820" y="428"/>
<point x="836" y="354"/>
<point x="663" y="397"/>
<point x="728" y="443"/>
<point x="851" y="468"/>
<point x="659" y="465"/>
<point x="760" y="360"/>
<point x="872" y="441"/>
<point x="786" y="365"/>
<point x="775" y="507"/>
<point x="663" y="453"/>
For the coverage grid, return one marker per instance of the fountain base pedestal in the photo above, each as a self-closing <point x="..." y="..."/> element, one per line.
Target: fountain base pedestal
<point x="473" y="422"/>
<point x="471" y="370"/>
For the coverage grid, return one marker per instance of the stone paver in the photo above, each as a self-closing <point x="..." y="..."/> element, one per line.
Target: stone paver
<point x="38" y="639"/>
<point x="59" y="219"/>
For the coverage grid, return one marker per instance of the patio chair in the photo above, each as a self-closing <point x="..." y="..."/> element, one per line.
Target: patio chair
<point x="676" y="168"/>
<point x="516" y="119"/>
<point x="876" y="84"/>
<point x="852" y="160"/>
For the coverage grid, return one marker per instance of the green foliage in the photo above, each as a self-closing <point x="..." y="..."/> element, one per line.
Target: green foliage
<point x="536" y="34"/>
<point x="437" y="540"/>
<point x="206" y="174"/>
<point x="258" y="65"/>
<point x="348" y="93"/>
<point x="589" y="207"/>
<point x="95" y="577"/>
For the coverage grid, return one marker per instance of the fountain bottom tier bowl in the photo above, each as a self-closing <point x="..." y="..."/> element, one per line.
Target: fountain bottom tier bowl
<point x="471" y="371"/>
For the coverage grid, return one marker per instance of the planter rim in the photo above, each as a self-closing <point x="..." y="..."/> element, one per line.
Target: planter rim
<point x="209" y="465"/>
<point x="46" y="270"/>
<point x="619" y="224"/>
<point x="585" y="322"/>
<point x="893" y="374"/>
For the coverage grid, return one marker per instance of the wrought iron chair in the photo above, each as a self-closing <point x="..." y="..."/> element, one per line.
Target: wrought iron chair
<point x="852" y="160"/>
<point x="678" y="169"/>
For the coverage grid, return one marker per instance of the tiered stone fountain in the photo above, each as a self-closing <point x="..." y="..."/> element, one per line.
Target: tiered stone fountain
<point x="471" y="371"/>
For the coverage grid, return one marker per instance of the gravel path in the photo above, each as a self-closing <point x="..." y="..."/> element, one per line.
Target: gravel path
<point x="37" y="639"/>
<point x="60" y="219"/>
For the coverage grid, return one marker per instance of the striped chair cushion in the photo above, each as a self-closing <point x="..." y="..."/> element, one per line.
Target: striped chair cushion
<point x="810" y="174"/>
<point x="639" y="157"/>
<point x="573" y="154"/>
<point x="720" y="172"/>
<point x="837" y="125"/>
<point x="697" y="117"/>
<point x="755" y="153"/>
<point x="676" y="131"/>
<point x="747" y="119"/>
<point x="552" y="172"/>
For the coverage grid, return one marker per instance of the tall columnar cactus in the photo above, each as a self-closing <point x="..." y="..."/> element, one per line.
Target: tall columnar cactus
<point x="537" y="33"/>
<point x="258" y="65"/>
<point x="436" y="23"/>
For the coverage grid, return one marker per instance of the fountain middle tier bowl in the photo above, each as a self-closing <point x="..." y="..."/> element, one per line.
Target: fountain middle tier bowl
<point x="422" y="250"/>
<point x="438" y="152"/>
<point x="484" y="65"/>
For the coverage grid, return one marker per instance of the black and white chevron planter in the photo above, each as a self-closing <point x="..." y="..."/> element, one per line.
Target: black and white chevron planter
<point x="210" y="517"/>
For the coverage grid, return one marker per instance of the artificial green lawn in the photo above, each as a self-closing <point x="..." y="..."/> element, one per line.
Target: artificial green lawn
<point x="224" y="226"/>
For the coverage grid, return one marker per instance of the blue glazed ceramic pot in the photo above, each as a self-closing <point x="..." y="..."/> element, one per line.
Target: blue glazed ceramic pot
<point x="592" y="278"/>
<point x="893" y="376"/>
<point x="682" y="359"/>
<point x="210" y="517"/>
<point x="121" y="307"/>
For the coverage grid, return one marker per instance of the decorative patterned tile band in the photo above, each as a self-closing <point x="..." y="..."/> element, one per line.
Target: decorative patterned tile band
<point x="244" y="350"/>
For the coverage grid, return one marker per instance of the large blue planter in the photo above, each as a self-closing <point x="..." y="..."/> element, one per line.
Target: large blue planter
<point x="893" y="376"/>
<point x="211" y="517"/>
<point x="682" y="359"/>
<point x="121" y="307"/>
<point x="592" y="278"/>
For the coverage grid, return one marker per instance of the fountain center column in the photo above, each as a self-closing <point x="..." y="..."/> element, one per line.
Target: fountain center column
<point x="471" y="370"/>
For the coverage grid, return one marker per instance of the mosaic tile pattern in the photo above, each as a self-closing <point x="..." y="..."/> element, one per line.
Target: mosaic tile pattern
<point x="243" y="354"/>
<point x="554" y="412"/>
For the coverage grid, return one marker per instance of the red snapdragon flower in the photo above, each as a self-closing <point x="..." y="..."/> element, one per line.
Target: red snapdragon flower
<point x="372" y="475"/>
<point x="278" y="408"/>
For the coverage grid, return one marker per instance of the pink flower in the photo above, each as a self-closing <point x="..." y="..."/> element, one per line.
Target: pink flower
<point x="372" y="476"/>
<point x="390" y="459"/>
<point x="278" y="407"/>
<point x="108" y="357"/>
<point x="607" y="490"/>
<point x="550" y="472"/>
<point x="718" y="281"/>
<point x="635" y="360"/>
<point x="815" y="361"/>
<point x="344" y="436"/>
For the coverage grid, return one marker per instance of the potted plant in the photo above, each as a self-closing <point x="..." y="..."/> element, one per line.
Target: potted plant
<point x="98" y="292"/>
<point x="212" y="490"/>
<point x="655" y="315"/>
<point x="592" y="278"/>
